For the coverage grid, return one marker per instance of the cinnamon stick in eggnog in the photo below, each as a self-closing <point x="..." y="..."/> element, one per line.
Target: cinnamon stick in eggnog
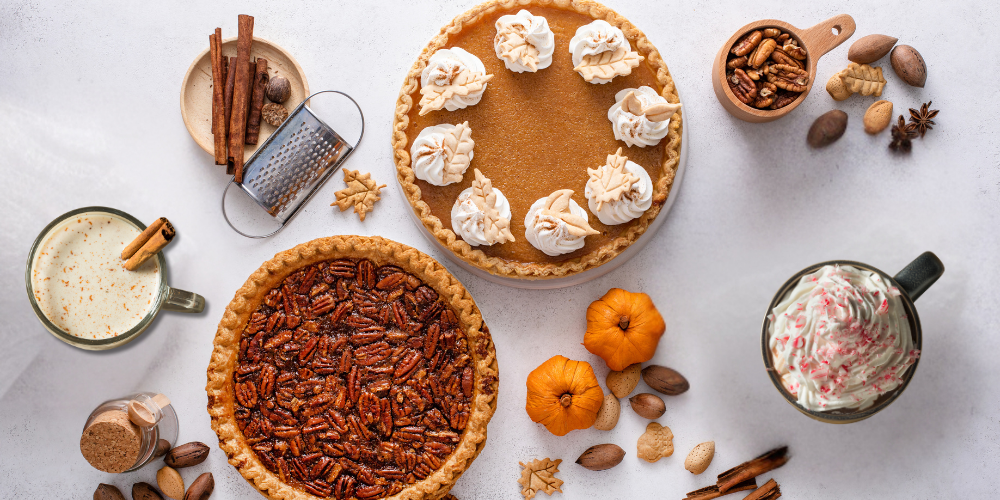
<point x="156" y="242"/>
<point x="241" y="97"/>
<point x="141" y="240"/>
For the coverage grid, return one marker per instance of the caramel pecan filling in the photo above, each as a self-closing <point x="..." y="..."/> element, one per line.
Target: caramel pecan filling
<point x="353" y="381"/>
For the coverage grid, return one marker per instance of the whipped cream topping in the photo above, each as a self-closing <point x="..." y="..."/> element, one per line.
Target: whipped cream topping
<point x="597" y="38"/>
<point x="840" y="339"/>
<point x="453" y="78"/>
<point x="441" y="154"/>
<point x="469" y="221"/>
<point x="643" y="119"/>
<point x="524" y="42"/>
<point x="557" y="225"/>
<point x="633" y="196"/>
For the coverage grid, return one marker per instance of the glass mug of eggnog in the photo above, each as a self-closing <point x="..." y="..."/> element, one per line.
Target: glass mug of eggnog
<point x="80" y="289"/>
<point x="841" y="339"/>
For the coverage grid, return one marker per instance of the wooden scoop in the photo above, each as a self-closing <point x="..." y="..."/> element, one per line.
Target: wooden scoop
<point x="141" y="416"/>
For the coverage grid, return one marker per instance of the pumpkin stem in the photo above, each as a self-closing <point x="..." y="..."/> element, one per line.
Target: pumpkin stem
<point x="623" y="323"/>
<point x="566" y="400"/>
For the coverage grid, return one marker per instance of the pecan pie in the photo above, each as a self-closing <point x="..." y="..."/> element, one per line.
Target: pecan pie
<point x="535" y="133"/>
<point x="352" y="367"/>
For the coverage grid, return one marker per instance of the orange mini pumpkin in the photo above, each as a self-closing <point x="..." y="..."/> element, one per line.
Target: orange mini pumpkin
<point x="563" y="395"/>
<point x="623" y="328"/>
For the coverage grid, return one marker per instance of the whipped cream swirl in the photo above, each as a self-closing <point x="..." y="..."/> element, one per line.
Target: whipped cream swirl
<point x="524" y="42"/>
<point x="551" y="234"/>
<point x="630" y="205"/>
<point x="638" y="130"/>
<point x="595" y="38"/>
<point x="444" y="67"/>
<point x="469" y="222"/>
<point x="840" y="339"/>
<point x="429" y="156"/>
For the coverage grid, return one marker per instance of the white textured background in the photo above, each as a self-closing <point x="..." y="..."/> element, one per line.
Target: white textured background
<point x="89" y="116"/>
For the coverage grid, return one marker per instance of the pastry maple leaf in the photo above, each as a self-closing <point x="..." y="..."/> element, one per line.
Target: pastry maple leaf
<point x="539" y="475"/>
<point x="655" y="113"/>
<point x="863" y="79"/>
<point x="557" y="207"/>
<point x="361" y="193"/>
<point x="497" y="228"/>
<point x="458" y="146"/>
<point x="610" y="181"/>
<point x="514" y="47"/>
<point x="608" y="65"/>
<point x="434" y="96"/>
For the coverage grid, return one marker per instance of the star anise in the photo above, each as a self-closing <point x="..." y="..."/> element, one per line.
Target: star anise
<point x="902" y="133"/>
<point x="923" y="118"/>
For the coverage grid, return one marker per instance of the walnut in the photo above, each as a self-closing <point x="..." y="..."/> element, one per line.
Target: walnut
<point x="274" y="113"/>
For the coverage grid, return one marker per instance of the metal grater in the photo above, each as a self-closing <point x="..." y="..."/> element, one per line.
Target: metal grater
<point x="293" y="163"/>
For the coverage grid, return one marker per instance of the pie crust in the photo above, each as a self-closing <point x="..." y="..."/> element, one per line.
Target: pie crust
<point x="543" y="268"/>
<point x="222" y="400"/>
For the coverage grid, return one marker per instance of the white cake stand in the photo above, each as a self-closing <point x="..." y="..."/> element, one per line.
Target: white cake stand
<point x="590" y="274"/>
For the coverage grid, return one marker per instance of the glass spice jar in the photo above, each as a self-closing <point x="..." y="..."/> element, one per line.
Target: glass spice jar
<point x="112" y="443"/>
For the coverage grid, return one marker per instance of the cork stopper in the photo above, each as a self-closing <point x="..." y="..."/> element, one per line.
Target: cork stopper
<point x="111" y="443"/>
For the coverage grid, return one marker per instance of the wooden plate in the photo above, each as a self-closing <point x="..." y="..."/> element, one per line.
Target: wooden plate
<point x="196" y="91"/>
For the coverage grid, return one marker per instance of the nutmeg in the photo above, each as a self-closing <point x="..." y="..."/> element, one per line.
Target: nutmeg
<point x="274" y="113"/>
<point x="278" y="89"/>
<point x="648" y="405"/>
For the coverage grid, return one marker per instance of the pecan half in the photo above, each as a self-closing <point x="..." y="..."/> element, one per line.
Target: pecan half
<point x="789" y="78"/>
<point x="784" y="98"/>
<point x="737" y="62"/>
<point x="791" y="48"/>
<point x="745" y="45"/>
<point x="743" y="87"/>
<point x="779" y="56"/>
<point x="766" y="95"/>
<point x="762" y="52"/>
<point x="771" y="32"/>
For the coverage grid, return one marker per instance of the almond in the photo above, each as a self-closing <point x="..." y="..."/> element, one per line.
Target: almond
<point x="170" y="482"/>
<point x="878" y="117"/>
<point x="607" y="416"/>
<point x="909" y="65"/>
<point x="838" y="91"/>
<point x="700" y="457"/>
<point x="601" y="457"/>
<point x="648" y="405"/>
<point x="665" y="380"/>
<point x="870" y="48"/>
<point x="622" y="383"/>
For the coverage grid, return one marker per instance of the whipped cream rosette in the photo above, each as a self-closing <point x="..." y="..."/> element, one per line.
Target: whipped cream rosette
<point x="641" y="117"/>
<point x="453" y="79"/>
<point x="524" y="42"/>
<point x="601" y="52"/>
<point x="556" y="224"/>
<point x="618" y="191"/>
<point x="481" y="214"/>
<point x="841" y="339"/>
<point x="442" y="153"/>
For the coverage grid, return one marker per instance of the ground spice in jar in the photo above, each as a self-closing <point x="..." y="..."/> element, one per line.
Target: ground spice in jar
<point x="111" y="443"/>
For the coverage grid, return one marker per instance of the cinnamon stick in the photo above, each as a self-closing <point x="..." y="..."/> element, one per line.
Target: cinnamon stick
<point x="241" y="97"/>
<point x="753" y="468"/>
<point x="156" y="243"/>
<point x="218" y="108"/>
<point x="141" y="240"/>
<point x="710" y="492"/>
<point x="257" y="101"/>
<point x="769" y="491"/>
<point x="227" y="100"/>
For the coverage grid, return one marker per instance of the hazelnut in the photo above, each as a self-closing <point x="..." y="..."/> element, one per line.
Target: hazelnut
<point x="274" y="113"/>
<point x="278" y="89"/>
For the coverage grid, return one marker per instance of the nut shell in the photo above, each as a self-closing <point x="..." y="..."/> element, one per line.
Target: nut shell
<point x="909" y="65"/>
<point x="187" y="455"/>
<point x="601" y="457"/>
<point x="145" y="491"/>
<point x="829" y="127"/>
<point x="622" y="383"/>
<point x="838" y="91"/>
<point x="878" y="117"/>
<point x="700" y="457"/>
<point x="648" y="405"/>
<point x="665" y="380"/>
<point x="201" y="488"/>
<point x="870" y="48"/>
<point x="607" y="416"/>
<point x="108" y="492"/>
<point x="278" y="89"/>
<point x="170" y="482"/>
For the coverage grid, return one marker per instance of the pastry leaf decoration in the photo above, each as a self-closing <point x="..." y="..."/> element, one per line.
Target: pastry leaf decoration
<point x="539" y="475"/>
<point x="863" y="79"/>
<point x="497" y="228"/>
<point x="608" y="65"/>
<point x="557" y="207"/>
<point x="514" y="48"/>
<point x="458" y="146"/>
<point x="658" y="112"/>
<point x="611" y="181"/>
<point x="434" y="96"/>
<point x="361" y="193"/>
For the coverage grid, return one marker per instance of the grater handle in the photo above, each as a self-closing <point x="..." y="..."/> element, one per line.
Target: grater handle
<point x="226" y="216"/>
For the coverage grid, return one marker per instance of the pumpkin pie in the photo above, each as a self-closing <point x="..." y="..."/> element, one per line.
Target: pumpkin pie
<point x="352" y="367"/>
<point x="532" y="97"/>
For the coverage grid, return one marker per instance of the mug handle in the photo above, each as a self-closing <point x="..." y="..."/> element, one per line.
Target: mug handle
<point x="183" y="301"/>
<point x="920" y="274"/>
